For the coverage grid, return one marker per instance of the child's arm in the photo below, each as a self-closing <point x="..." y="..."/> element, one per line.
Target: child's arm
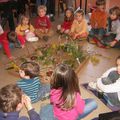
<point x="112" y="44"/>
<point x="104" y="21"/>
<point x="17" y="30"/>
<point x="32" y="29"/>
<point x="32" y="114"/>
<point x="5" y="44"/>
<point x="48" y="23"/>
<point x="79" y="104"/>
<point x="92" y="20"/>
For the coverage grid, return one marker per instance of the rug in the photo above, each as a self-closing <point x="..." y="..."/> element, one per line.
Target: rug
<point x="99" y="95"/>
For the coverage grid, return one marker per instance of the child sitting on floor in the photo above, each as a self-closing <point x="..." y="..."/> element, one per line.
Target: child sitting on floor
<point x="43" y="24"/>
<point x="65" y="97"/>
<point x="9" y="38"/>
<point x="98" y="20"/>
<point x="112" y="38"/>
<point x="12" y="101"/>
<point x="68" y="20"/>
<point x="109" y="84"/>
<point x="79" y="27"/>
<point x="26" y="29"/>
<point x="30" y="82"/>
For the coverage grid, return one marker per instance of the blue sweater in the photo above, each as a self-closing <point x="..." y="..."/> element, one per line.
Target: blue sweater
<point x="30" y="87"/>
<point x="15" y="116"/>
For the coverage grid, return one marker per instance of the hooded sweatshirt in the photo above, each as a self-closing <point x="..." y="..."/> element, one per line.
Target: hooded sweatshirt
<point x="61" y="114"/>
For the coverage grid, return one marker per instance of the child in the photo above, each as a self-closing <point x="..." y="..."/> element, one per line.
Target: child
<point x="12" y="101"/>
<point x="65" y="97"/>
<point x="79" y="27"/>
<point x="30" y="82"/>
<point x="109" y="84"/>
<point x="8" y="38"/>
<point x="43" y="24"/>
<point x="26" y="29"/>
<point x="68" y="20"/>
<point x="112" y="39"/>
<point x="98" y="20"/>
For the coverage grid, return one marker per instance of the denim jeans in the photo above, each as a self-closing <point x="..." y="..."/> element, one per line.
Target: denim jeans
<point x="44" y="89"/>
<point x="46" y="112"/>
<point x="100" y="32"/>
<point x="90" y="105"/>
<point x="41" y="2"/>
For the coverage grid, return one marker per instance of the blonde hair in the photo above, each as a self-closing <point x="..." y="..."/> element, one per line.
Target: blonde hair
<point x="23" y="17"/>
<point x="42" y="7"/>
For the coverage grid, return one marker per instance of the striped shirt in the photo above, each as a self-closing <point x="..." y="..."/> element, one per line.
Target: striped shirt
<point x="30" y="87"/>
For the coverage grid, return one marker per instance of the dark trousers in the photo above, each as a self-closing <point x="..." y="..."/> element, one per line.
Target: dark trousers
<point x="51" y="7"/>
<point x="109" y="38"/>
<point x="7" y="14"/>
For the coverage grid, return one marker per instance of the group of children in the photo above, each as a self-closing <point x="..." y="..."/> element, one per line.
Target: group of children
<point x="66" y="102"/>
<point x="65" y="96"/>
<point x="74" y="25"/>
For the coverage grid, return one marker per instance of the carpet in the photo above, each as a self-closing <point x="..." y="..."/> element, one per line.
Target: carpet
<point x="99" y="95"/>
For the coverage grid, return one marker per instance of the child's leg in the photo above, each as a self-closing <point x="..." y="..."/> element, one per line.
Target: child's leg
<point x="107" y="39"/>
<point x="101" y="32"/>
<point x="46" y="113"/>
<point x="44" y="91"/>
<point x="90" y="105"/>
<point x="93" y="32"/>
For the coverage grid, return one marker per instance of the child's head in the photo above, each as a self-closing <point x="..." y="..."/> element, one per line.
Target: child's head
<point x="65" y="78"/>
<point x="118" y="64"/>
<point x="12" y="37"/>
<point x="29" y="70"/>
<point x="24" y="20"/>
<point x="114" y="13"/>
<point x="10" y="98"/>
<point x="42" y="10"/>
<point x="69" y="14"/>
<point x="79" y="15"/>
<point x="101" y="4"/>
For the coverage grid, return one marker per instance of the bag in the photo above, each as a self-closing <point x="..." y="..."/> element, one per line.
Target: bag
<point x="110" y="116"/>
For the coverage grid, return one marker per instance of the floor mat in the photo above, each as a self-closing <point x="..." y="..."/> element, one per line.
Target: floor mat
<point x="100" y="96"/>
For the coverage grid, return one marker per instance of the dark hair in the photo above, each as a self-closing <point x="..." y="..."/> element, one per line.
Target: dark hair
<point x="81" y="11"/>
<point x="12" y="37"/>
<point x="115" y="10"/>
<point x="65" y="78"/>
<point x="72" y="15"/>
<point x="10" y="97"/>
<point x="31" y="69"/>
<point x="100" y="2"/>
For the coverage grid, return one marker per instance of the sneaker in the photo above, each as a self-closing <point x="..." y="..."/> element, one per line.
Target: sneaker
<point x="45" y="38"/>
<point x="47" y="96"/>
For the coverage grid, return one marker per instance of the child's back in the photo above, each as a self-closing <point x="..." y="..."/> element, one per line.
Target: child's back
<point x="70" y="114"/>
<point x="30" y="83"/>
<point x="30" y="87"/>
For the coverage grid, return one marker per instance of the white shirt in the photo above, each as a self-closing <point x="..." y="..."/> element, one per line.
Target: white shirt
<point x="111" y="88"/>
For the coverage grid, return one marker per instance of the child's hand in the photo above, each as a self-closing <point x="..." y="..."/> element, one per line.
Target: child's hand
<point x="46" y="30"/>
<point x="12" y="58"/>
<point x="112" y="44"/>
<point x="22" y="46"/>
<point x="27" y="102"/>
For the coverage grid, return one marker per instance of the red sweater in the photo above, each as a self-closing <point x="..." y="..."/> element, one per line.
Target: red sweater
<point x="42" y="23"/>
<point x="67" y="25"/>
<point x="5" y="43"/>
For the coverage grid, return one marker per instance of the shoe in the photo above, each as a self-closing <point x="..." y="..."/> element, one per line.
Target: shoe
<point x="45" y="38"/>
<point x="47" y="96"/>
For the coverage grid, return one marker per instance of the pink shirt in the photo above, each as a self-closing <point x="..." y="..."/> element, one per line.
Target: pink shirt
<point x="69" y="114"/>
